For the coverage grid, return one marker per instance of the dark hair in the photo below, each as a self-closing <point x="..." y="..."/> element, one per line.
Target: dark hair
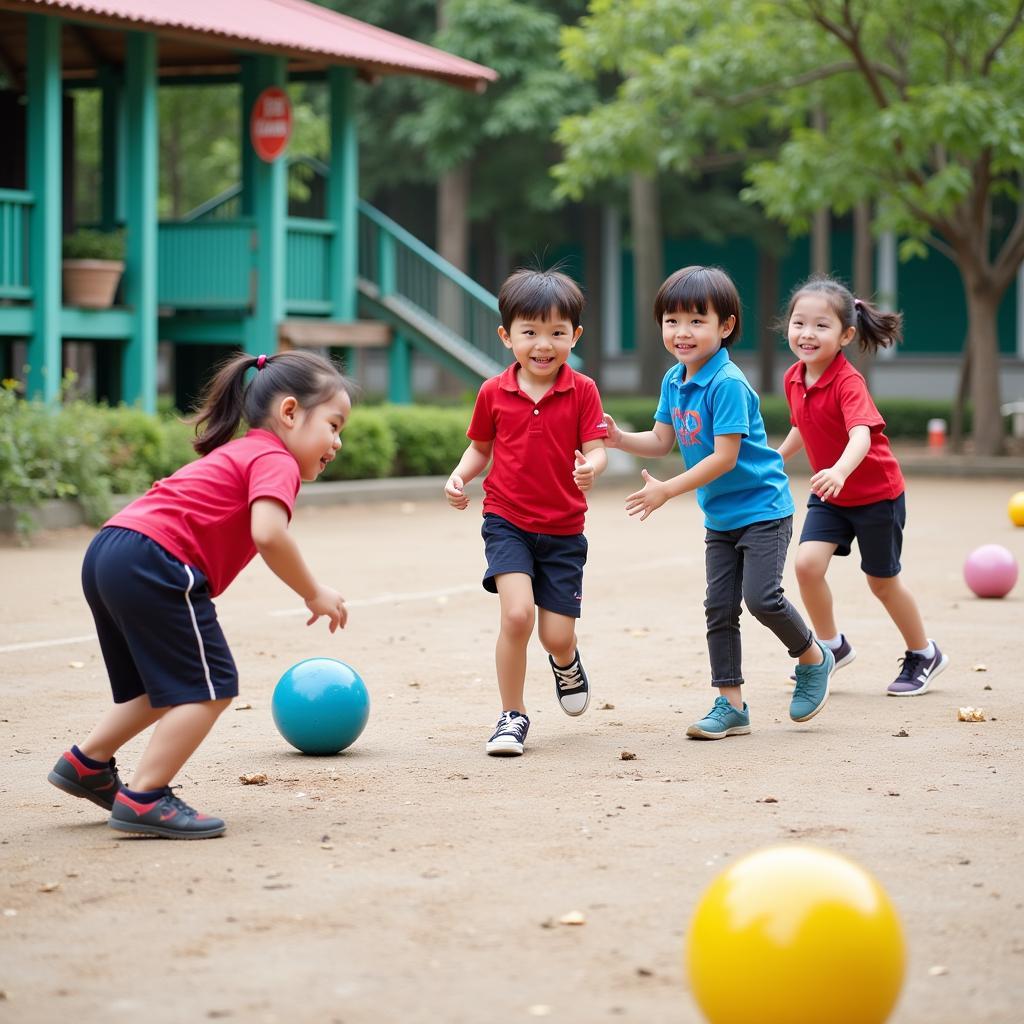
<point x="532" y="294"/>
<point x="227" y="399"/>
<point x="875" y="329"/>
<point x="696" y="290"/>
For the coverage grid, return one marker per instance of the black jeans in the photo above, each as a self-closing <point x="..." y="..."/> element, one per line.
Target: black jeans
<point x="747" y="564"/>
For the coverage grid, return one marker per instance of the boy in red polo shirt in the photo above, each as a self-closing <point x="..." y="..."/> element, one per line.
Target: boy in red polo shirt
<point x="857" y="487"/>
<point x="544" y="426"/>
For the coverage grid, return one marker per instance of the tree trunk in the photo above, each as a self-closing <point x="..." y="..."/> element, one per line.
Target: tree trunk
<point x="767" y="310"/>
<point x="648" y="267"/>
<point x="982" y="307"/>
<point x="452" y="241"/>
<point x="821" y="226"/>
<point x="592" y="342"/>
<point x="863" y="278"/>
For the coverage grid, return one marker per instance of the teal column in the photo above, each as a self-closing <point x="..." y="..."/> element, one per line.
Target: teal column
<point x="266" y="186"/>
<point x="343" y="192"/>
<point x="138" y="366"/>
<point x="111" y="149"/>
<point x="400" y="370"/>
<point x="44" y="182"/>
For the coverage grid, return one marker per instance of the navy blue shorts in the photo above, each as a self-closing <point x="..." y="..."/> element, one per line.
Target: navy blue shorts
<point x="554" y="563"/>
<point x="156" y="623"/>
<point x="877" y="528"/>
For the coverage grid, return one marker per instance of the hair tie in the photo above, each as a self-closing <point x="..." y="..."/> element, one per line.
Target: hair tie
<point x="857" y="304"/>
<point x="261" y="361"/>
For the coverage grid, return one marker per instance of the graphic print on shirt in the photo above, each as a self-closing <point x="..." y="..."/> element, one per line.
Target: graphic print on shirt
<point x="687" y="423"/>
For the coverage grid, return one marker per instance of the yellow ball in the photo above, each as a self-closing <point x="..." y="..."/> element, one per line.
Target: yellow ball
<point x="1016" y="509"/>
<point x="795" y="935"/>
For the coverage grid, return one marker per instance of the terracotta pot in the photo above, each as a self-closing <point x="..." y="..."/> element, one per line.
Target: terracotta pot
<point x="91" y="284"/>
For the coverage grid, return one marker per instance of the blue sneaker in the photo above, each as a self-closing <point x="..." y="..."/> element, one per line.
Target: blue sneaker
<point x="811" y="692"/>
<point x="509" y="734"/>
<point x="721" y="721"/>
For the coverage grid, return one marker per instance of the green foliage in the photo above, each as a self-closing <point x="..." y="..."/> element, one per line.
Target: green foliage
<point x="368" y="448"/>
<point x="428" y="441"/>
<point x="87" y="244"/>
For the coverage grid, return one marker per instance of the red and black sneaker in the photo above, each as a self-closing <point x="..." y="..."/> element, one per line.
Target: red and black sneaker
<point x="168" y="817"/>
<point x="100" y="785"/>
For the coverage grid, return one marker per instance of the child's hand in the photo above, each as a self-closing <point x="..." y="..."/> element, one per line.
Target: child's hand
<point x="827" y="483"/>
<point x="455" y="492"/>
<point x="650" y="497"/>
<point x="330" y="603"/>
<point x="583" y="473"/>
<point x="614" y="438"/>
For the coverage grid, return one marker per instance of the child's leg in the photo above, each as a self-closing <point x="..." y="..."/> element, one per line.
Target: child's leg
<point x="557" y="635"/>
<point x="119" y="724"/>
<point x="812" y="561"/>
<point x="902" y="609"/>
<point x="515" y="593"/>
<point x="180" y="731"/>
<point x="723" y="562"/>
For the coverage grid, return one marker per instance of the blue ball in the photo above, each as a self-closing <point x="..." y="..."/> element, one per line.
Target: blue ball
<point x="320" y="706"/>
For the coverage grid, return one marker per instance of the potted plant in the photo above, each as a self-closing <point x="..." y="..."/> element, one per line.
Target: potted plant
<point x="92" y="267"/>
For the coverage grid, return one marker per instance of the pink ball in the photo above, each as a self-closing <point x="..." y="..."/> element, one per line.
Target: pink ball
<point x="991" y="571"/>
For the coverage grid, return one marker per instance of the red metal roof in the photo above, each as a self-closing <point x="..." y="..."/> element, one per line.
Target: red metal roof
<point x="294" y="27"/>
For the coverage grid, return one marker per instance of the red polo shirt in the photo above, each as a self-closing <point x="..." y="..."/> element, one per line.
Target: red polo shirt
<point x="530" y="481"/>
<point x="200" y="514"/>
<point x="825" y="413"/>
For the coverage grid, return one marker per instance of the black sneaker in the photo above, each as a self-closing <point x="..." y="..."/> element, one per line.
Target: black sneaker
<point x="843" y="654"/>
<point x="571" y="686"/>
<point x="168" y="817"/>
<point x="917" y="672"/>
<point x="100" y="785"/>
<point x="509" y="734"/>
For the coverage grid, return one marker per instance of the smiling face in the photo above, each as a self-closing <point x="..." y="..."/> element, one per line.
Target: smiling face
<point x="540" y="346"/>
<point x="312" y="435"/>
<point x="694" y="338"/>
<point x="816" y="333"/>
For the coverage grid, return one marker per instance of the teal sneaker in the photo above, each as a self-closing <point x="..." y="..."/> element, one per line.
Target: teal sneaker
<point x="811" y="692"/>
<point x="721" y="721"/>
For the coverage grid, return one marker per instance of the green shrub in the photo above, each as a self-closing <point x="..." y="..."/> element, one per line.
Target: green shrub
<point x="87" y="244"/>
<point x="368" y="448"/>
<point x="428" y="441"/>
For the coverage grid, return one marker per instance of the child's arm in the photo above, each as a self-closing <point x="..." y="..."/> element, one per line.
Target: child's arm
<point x="647" y="443"/>
<point x="268" y="522"/>
<point x="473" y="462"/>
<point x="591" y="462"/>
<point x="827" y="483"/>
<point x="791" y="445"/>
<point x="655" y="493"/>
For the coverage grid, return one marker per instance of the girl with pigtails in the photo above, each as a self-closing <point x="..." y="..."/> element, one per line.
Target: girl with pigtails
<point x="150" y="576"/>
<point x="857" y="485"/>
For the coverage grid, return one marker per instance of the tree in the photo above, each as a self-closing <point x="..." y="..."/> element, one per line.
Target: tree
<point x="925" y="118"/>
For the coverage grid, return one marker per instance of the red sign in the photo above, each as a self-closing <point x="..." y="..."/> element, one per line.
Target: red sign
<point x="270" y="126"/>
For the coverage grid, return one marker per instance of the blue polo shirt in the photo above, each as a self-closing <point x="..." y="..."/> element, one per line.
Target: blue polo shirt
<point x="719" y="400"/>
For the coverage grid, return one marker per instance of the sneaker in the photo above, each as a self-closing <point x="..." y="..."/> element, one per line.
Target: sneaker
<point x="721" y="721"/>
<point x="572" y="688"/>
<point x="168" y="817"/>
<point x="509" y="734"/>
<point x="843" y="654"/>
<point x="811" y="692"/>
<point x="100" y="785"/>
<point x="917" y="672"/>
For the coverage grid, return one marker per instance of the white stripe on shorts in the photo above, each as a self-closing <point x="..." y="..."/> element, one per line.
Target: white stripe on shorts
<point x="199" y="636"/>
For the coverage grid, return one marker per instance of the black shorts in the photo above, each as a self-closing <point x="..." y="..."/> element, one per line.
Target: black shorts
<point x="878" y="529"/>
<point x="156" y="623"/>
<point x="554" y="563"/>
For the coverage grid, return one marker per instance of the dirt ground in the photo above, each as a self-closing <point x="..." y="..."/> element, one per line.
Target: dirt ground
<point x="415" y="879"/>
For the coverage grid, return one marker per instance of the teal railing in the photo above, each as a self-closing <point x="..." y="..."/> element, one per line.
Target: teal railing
<point x="15" y="209"/>
<point x="205" y="264"/>
<point x="308" y="256"/>
<point x="401" y="267"/>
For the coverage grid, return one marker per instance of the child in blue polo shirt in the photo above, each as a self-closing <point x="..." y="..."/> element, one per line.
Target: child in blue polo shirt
<point x="710" y="408"/>
<point x="542" y="425"/>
